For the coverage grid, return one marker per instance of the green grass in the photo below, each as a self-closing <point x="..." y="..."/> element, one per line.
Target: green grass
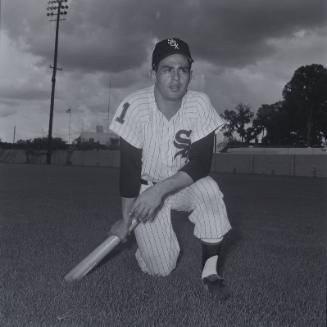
<point x="51" y="217"/>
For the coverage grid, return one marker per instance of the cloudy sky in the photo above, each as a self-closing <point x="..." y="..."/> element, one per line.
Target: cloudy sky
<point x="244" y="50"/>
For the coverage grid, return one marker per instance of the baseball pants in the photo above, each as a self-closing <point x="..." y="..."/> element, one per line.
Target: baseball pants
<point x="158" y="247"/>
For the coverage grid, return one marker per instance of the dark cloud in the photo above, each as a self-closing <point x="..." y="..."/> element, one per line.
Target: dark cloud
<point x="117" y="35"/>
<point x="24" y="93"/>
<point x="126" y="78"/>
<point x="245" y="51"/>
<point x="8" y="106"/>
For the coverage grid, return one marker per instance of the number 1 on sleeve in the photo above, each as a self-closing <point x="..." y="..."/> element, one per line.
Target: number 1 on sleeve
<point x="121" y="119"/>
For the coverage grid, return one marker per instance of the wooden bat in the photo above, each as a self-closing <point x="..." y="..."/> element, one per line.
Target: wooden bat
<point x="89" y="262"/>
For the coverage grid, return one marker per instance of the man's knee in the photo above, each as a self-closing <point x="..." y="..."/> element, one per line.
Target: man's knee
<point x="156" y="266"/>
<point x="208" y="190"/>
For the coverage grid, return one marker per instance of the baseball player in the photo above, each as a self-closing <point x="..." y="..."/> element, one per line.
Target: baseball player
<point x="167" y="135"/>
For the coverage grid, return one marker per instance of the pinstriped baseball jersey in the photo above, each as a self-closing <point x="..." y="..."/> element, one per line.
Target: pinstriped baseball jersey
<point x="165" y="143"/>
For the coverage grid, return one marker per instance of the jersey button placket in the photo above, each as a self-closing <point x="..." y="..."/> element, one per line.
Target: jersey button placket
<point x="167" y="142"/>
<point x="171" y="142"/>
<point x="164" y="138"/>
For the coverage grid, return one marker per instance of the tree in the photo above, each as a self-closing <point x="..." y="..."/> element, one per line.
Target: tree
<point x="306" y="101"/>
<point x="237" y="120"/>
<point x="41" y="143"/>
<point x="230" y="127"/>
<point x="273" y="122"/>
<point x="252" y="133"/>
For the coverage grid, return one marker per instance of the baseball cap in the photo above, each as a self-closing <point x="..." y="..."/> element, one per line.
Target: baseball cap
<point x="168" y="47"/>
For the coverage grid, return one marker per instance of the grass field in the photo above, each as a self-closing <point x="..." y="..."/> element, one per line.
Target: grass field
<point x="51" y="217"/>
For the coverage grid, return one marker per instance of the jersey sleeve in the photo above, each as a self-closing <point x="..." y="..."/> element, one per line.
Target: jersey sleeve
<point x="126" y="124"/>
<point x="130" y="170"/>
<point x="208" y="119"/>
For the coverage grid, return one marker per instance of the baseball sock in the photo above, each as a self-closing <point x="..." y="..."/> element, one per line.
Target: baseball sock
<point x="210" y="260"/>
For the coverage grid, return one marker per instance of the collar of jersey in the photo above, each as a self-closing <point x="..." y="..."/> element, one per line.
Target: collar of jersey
<point x="156" y="109"/>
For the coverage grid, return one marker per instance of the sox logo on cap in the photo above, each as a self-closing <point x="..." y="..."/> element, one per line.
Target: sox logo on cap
<point x="173" y="43"/>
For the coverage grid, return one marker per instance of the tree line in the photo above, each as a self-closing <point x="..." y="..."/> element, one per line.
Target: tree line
<point x="299" y="119"/>
<point x="57" y="143"/>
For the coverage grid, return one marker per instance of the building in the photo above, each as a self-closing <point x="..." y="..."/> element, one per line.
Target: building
<point x="100" y="136"/>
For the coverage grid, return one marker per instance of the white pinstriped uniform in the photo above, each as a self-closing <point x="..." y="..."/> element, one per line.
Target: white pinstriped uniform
<point x="165" y="145"/>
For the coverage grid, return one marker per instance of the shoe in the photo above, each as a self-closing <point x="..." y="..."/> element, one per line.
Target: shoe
<point x="212" y="280"/>
<point x="216" y="287"/>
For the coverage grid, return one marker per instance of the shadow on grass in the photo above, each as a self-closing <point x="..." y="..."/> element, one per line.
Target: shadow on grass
<point x="121" y="247"/>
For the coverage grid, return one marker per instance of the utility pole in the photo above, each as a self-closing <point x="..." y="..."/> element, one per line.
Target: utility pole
<point x="109" y="98"/>
<point x="69" y="111"/>
<point x="14" y="138"/>
<point x="55" y="8"/>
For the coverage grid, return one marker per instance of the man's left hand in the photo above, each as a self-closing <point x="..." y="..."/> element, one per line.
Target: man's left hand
<point x="146" y="205"/>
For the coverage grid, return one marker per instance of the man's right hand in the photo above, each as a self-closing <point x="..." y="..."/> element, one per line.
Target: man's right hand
<point x="120" y="229"/>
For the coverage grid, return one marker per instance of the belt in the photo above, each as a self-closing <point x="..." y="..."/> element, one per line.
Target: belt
<point x="144" y="182"/>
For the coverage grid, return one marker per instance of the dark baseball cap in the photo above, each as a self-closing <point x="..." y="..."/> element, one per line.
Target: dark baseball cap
<point x="168" y="47"/>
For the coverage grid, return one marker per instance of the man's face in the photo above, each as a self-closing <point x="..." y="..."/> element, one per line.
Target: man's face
<point x="172" y="77"/>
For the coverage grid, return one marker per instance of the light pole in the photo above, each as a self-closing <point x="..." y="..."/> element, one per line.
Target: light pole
<point x="56" y="8"/>
<point x="69" y="111"/>
<point x="14" y="138"/>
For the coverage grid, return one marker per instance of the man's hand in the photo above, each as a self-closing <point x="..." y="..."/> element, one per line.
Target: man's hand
<point x="120" y="228"/>
<point x="147" y="204"/>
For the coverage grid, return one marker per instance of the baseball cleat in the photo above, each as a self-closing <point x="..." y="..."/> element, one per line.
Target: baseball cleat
<point x="215" y="286"/>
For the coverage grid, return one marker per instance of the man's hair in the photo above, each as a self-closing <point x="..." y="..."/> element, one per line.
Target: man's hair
<point x="170" y="46"/>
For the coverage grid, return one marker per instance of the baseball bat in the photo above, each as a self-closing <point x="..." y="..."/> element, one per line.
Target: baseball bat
<point x="89" y="262"/>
